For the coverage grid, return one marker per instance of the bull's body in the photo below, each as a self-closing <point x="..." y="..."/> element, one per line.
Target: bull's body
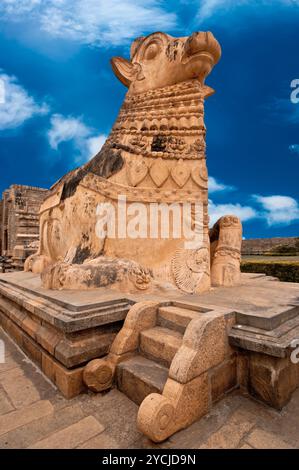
<point x="155" y="154"/>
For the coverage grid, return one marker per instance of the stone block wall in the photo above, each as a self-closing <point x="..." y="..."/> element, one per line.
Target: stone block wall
<point x="1" y="213"/>
<point x="19" y="221"/>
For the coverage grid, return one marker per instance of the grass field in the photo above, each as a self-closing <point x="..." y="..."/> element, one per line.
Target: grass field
<point x="285" y="268"/>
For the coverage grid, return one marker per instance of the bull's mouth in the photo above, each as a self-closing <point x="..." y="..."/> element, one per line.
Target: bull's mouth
<point x="199" y="56"/>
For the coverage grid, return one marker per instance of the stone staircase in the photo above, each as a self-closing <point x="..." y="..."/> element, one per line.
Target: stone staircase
<point x="165" y="359"/>
<point x="147" y="371"/>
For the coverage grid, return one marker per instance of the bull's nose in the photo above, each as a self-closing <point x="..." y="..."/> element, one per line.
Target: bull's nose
<point x="203" y="42"/>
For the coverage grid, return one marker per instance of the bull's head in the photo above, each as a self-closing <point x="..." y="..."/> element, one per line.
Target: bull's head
<point x="159" y="60"/>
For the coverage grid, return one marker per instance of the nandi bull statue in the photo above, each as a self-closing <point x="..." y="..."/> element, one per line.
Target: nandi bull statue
<point x="97" y="226"/>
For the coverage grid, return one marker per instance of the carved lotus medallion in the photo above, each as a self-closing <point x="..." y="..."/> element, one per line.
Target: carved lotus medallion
<point x="199" y="175"/>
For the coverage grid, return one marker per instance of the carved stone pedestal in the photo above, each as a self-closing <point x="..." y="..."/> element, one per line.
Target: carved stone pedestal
<point x="267" y="345"/>
<point x="59" y="332"/>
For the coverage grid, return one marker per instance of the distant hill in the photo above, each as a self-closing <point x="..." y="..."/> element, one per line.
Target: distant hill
<point x="277" y="246"/>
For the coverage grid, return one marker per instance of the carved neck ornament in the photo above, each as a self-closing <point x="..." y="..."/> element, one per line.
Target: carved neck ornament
<point x="155" y="123"/>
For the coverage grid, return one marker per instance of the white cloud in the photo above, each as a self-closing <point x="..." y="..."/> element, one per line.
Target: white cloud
<point x="216" y="211"/>
<point x="94" y="144"/>
<point x="73" y="129"/>
<point x="278" y="210"/>
<point x="92" y="21"/>
<point x="64" y="129"/>
<point x="18" y="7"/>
<point x="210" y="7"/>
<point x="215" y="186"/>
<point x="294" y="148"/>
<point x="284" y="110"/>
<point x="16" y="106"/>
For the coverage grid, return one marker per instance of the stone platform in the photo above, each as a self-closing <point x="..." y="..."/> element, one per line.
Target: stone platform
<point x="61" y="331"/>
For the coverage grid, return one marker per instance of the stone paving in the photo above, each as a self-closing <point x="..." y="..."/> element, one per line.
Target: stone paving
<point x="33" y="414"/>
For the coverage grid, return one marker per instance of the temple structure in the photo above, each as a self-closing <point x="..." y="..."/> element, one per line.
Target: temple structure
<point x="19" y="222"/>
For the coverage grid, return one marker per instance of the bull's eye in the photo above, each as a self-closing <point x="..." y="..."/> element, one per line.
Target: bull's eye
<point x="151" y="51"/>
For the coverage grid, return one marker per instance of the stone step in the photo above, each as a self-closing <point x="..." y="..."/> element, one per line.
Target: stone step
<point x="138" y="377"/>
<point x="176" y="318"/>
<point x="160" y="344"/>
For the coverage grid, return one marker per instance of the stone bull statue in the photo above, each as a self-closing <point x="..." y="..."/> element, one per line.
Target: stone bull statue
<point x="105" y="223"/>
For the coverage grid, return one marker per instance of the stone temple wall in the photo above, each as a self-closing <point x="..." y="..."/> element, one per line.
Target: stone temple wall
<point x="260" y="246"/>
<point x="19" y="222"/>
<point x="1" y="212"/>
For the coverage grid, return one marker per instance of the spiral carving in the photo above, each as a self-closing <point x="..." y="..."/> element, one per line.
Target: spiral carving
<point x="98" y="375"/>
<point x="156" y="417"/>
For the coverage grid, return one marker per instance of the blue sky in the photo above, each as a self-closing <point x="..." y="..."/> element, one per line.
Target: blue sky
<point x="61" y="97"/>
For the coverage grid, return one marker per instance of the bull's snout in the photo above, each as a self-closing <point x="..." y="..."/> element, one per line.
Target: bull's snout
<point x="203" y="42"/>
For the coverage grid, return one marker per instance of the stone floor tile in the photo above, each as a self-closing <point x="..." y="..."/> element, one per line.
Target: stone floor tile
<point x="5" y="404"/>
<point x="10" y="363"/>
<point x="19" y="388"/>
<point x="72" y="436"/>
<point x="260" y="439"/>
<point x="198" y="432"/>
<point x="230" y="434"/>
<point x="34" y="431"/>
<point x="18" y="418"/>
<point x="102" y="441"/>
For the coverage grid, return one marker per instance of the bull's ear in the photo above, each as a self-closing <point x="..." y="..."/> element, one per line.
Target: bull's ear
<point x="208" y="91"/>
<point x="135" y="45"/>
<point x="124" y="70"/>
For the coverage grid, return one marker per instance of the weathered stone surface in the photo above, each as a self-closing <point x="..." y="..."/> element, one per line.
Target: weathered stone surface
<point x="160" y="416"/>
<point x="141" y="316"/>
<point x="272" y="380"/>
<point x="270" y="320"/>
<point x="160" y="344"/>
<point x="72" y="332"/>
<point x="138" y="377"/>
<point x="69" y="382"/>
<point x="98" y="375"/>
<point x="149" y="158"/>
<point x="25" y="415"/>
<point x="203" y="347"/>
<point x="19" y="388"/>
<point x="226" y="240"/>
<point x="242" y="370"/>
<point x="102" y="441"/>
<point x="118" y="415"/>
<point x="230" y="435"/>
<point x="5" y="405"/>
<point x="177" y="318"/>
<point x="223" y="378"/>
<point x="32" y="432"/>
<point x="260" y="439"/>
<point x="72" y="436"/>
<point x="19" y="222"/>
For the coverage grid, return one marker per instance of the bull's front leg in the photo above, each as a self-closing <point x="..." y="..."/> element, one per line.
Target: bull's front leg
<point x="226" y="241"/>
